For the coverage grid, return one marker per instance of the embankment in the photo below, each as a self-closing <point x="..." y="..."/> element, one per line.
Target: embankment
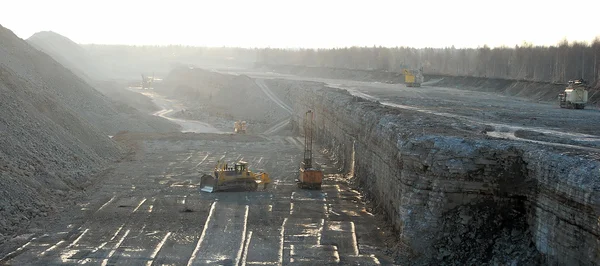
<point x="535" y="91"/>
<point x="452" y="193"/>
<point x="337" y="73"/>
<point x="228" y="97"/>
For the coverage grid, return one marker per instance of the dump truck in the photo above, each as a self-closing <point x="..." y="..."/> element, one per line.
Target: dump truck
<point x="413" y="77"/>
<point x="310" y="176"/>
<point x="236" y="177"/>
<point x="575" y="95"/>
<point x="239" y="127"/>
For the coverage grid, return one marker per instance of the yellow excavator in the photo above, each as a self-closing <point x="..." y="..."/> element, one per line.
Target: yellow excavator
<point x="233" y="178"/>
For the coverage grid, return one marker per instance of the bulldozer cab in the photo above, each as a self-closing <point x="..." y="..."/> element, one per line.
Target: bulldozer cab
<point x="240" y="167"/>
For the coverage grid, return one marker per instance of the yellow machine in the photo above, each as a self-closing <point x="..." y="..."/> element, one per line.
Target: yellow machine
<point x="310" y="177"/>
<point x="413" y="78"/>
<point x="575" y="95"/>
<point x="233" y="178"/>
<point x="240" y="127"/>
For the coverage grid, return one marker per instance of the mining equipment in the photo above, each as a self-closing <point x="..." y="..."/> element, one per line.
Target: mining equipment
<point x="147" y="82"/>
<point x="239" y="127"/>
<point x="236" y="177"/>
<point x="575" y="95"/>
<point x="413" y="77"/>
<point x="310" y="176"/>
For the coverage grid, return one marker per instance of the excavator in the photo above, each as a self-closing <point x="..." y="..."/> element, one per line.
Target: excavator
<point x="310" y="176"/>
<point x="233" y="178"/>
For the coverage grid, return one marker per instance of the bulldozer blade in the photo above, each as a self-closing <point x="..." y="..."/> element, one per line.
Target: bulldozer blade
<point x="208" y="183"/>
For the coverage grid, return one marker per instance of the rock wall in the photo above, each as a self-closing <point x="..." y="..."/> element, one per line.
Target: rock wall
<point x="454" y="194"/>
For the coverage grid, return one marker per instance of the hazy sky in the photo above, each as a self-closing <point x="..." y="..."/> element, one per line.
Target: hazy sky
<point x="307" y="23"/>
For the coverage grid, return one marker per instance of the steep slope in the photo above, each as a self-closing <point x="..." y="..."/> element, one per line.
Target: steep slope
<point x="226" y="96"/>
<point x="94" y="72"/>
<point x="104" y="113"/>
<point x="47" y="150"/>
<point x="68" y="53"/>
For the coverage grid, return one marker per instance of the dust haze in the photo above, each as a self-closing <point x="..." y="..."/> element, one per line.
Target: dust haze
<point x="273" y="139"/>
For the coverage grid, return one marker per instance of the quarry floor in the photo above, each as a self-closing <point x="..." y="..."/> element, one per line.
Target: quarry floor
<point x="149" y="211"/>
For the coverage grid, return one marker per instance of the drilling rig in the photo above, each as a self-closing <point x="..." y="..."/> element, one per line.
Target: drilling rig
<point x="310" y="176"/>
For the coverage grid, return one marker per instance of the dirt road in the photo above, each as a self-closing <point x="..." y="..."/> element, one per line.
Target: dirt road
<point x="169" y="106"/>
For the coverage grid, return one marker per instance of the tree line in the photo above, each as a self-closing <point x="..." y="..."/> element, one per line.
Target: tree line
<point x="558" y="63"/>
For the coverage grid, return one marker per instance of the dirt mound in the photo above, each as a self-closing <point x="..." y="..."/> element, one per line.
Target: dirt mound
<point x="93" y="72"/>
<point x="54" y="131"/>
<point x="338" y="73"/>
<point x="231" y="97"/>
<point x="68" y="53"/>
<point x="535" y="91"/>
<point x="48" y="76"/>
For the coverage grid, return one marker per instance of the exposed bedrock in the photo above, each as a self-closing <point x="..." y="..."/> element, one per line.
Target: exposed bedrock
<point x="453" y="194"/>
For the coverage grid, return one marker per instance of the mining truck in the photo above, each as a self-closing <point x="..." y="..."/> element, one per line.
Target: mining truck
<point x="575" y="95"/>
<point x="413" y="77"/>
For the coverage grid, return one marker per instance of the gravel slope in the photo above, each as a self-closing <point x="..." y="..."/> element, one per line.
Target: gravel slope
<point x="54" y="131"/>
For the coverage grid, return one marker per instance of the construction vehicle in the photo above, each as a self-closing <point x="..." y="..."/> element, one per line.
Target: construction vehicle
<point x="413" y="77"/>
<point x="233" y="178"/>
<point x="575" y="95"/>
<point x="240" y="127"/>
<point x="147" y="82"/>
<point x="310" y="176"/>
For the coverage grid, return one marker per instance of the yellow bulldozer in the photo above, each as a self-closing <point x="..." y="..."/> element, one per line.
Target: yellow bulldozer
<point x="236" y="177"/>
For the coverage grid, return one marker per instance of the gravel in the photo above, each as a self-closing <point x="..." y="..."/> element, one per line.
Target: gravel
<point x="54" y="133"/>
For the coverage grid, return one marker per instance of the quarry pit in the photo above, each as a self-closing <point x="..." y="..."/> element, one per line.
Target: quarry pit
<point x="412" y="177"/>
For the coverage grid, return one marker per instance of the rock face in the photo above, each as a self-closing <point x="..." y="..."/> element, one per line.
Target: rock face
<point x="452" y="194"/>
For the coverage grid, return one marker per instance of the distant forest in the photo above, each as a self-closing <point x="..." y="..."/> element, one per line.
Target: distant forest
<point x="557" y="64"/>
<point x="525" y="62"/>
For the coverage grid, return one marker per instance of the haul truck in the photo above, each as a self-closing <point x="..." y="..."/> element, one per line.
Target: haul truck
<point x="575" y="95"/>
<point x="413" y="77"/>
